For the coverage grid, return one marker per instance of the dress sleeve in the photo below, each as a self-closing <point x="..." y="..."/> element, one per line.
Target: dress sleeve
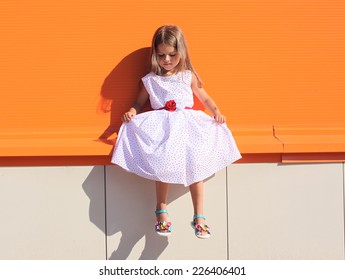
<point x="187" y="77"/>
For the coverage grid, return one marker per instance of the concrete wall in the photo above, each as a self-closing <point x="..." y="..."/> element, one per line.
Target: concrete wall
<point x="255" y="211"/>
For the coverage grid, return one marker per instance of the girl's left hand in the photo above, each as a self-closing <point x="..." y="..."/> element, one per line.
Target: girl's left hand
<point x="219" y="118"/>
<point x="126" y="117"/>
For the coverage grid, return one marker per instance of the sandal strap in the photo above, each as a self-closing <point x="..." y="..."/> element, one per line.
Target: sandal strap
<point x="163" y="226"/>
<point x="161" y="211"/>
<point x="202" y="227"/>
<point x="197" y="216"/>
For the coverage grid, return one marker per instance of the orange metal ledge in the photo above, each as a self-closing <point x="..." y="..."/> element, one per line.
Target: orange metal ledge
<point x="291" y="144"/>
<point x="54" y="149"/>
<point x="281" y="144"/>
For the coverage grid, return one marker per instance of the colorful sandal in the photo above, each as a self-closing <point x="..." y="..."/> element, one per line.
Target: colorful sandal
<point x="200" y="228"/>
<point x="163" y="228"/>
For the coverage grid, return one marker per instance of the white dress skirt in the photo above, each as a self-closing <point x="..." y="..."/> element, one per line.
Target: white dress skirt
<point x="181" y="146"/>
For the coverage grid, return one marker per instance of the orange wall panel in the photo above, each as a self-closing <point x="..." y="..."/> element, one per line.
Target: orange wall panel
<point x="267" y="62"/>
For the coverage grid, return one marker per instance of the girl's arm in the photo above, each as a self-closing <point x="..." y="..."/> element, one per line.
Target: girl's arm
<point x="206" y="100"/>
<point x="137" y="105"/>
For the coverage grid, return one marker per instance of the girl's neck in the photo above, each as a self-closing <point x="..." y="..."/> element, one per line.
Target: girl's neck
<point x="169" y="73"/>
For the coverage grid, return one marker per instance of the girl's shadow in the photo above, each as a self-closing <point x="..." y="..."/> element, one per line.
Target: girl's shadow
<point x="129" y="212"/>
<point x="120" y="88"/>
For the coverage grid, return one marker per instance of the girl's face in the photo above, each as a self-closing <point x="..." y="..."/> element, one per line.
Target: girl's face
<point x="168" y="58"/>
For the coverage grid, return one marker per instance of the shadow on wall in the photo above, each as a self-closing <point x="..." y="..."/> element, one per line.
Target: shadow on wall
<point x="130" y="205"/>
<point x="121" y="87"/>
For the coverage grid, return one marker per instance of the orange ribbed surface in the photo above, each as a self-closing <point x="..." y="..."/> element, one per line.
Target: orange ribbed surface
<point x="266" y="63"/>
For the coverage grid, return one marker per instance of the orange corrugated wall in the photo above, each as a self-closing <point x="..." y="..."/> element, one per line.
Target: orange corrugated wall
<point x="263" y="61"/>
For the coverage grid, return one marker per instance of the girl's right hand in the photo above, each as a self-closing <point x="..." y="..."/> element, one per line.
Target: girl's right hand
<point x="219" y="118"/>
<point x="126" y="117"/>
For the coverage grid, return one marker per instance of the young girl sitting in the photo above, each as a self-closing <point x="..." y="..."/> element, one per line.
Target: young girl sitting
<point x="174" y="143"/>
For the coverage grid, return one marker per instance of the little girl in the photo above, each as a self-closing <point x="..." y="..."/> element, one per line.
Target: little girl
<point x="174" y="143"/>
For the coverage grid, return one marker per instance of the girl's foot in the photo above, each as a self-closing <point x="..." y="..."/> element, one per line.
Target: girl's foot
<point x="162" y="226"/>
<point x="202" y="231"/>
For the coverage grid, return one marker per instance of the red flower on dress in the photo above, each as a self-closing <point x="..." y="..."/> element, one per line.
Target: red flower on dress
<point x="170" y="105"/>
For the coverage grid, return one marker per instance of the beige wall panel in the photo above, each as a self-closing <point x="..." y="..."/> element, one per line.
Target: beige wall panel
<point x="286" y="211"/>
<point x="46" y="212"/>
<point x="130" y="219"/>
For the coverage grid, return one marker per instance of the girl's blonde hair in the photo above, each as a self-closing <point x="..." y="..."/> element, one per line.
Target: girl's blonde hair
<point x="173" y="36"/>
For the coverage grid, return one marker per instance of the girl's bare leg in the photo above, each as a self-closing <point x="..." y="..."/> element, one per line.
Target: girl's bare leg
<point x="197" y="193"/>
<point x="162" y="197"/>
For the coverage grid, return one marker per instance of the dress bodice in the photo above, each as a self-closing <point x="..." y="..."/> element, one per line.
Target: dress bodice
<point x="176" y="87"/>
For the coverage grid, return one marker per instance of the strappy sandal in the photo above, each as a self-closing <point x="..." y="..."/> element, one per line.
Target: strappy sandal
<point x="200" y="228"/>
<point x="163" y="228"/>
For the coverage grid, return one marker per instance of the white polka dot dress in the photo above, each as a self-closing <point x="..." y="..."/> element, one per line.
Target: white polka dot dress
<point x="182" y="146"/>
